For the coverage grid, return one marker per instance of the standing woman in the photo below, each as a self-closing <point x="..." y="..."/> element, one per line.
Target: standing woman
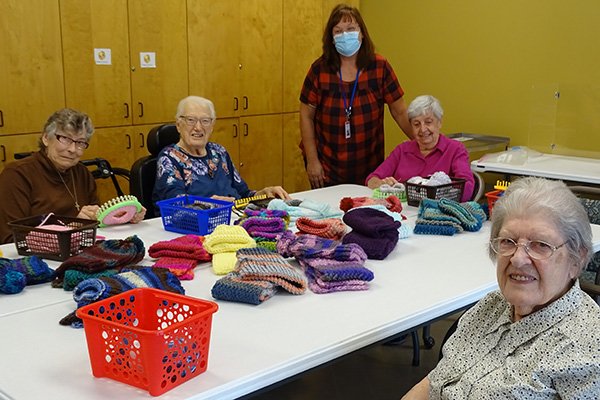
<point x="342" y="104"/>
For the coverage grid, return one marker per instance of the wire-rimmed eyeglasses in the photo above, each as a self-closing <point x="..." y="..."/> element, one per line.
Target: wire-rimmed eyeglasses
<point x="192" y="121"/>
<point x="67" y="141"/>
<point x="536" y="249"/>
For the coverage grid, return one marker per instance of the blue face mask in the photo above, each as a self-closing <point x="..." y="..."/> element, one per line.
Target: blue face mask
<point x="347" y="43"/>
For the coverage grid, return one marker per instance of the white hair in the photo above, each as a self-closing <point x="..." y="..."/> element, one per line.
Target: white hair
<point x="201" y="101"/>
<point x="425" y="104"/>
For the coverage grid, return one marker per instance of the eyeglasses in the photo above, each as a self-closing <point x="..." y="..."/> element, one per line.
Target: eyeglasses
<point x="67" y="141"/>
<point x="192" y="121"/>
<point x="536" y="249"/>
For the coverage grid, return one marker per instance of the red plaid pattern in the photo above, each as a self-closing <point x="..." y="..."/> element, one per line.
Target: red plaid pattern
<point x="350" y="160"/>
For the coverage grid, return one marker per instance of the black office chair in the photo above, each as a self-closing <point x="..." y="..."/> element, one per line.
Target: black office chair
<point x="143" y="171"/>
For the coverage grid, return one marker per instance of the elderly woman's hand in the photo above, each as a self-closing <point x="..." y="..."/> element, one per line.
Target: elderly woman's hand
<point x="275" y="191"/>
<point x="139" y="216"/>
<point x="89" y="212"/>
<point x="375" y="182"/>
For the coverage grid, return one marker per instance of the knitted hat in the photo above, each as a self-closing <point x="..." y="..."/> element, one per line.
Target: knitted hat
<point x="95" y="289"/>
<point x="224" y="263"/>
<point x="262" y="265"/>
<point x="333" y="270"/>
<point x="270" y="245"/>
<point x="311" y="246"/>
<point x="73" y="277"/>
<point x="320" y="286"/>
<point x="392" y="203"/>
<point x="469" y="221"/>
<point x="447" y="217"/>
<point x="183" y="268"/>
<point x="233" y="288"/>
<point x="227" y="238"/>
<point x="188" y="246"/>
<point x="374" y="231"/>
<point x="331" y="228"/>
<point x="267" y="228"/>
<point x="304" y="208"/>
<point x="11" y="281"/>
<point x="33" y="268"/>
<point x="107" y="254"/>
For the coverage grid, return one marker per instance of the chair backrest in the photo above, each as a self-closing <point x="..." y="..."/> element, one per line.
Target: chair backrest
<point x="479" y="187"/>
<point x="143" y="170"/>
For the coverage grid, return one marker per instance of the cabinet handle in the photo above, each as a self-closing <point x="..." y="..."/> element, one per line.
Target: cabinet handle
<point x="126" y="110"/>
<point x="141" y="109"/>
<point x="128" y="141"/>
<point x="142" y="140"/>
<point x="245" y="129"/>
<point x="3" y="152"/>
<point x="1" y="119"/>
<point x="245" y="102"/>
<point x="235" y="130"/>
<point x="235" y="104"/>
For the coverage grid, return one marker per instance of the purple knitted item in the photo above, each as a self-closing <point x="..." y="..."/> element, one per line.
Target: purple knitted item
<point x="332" y="270"/>
<point x="311" y="246"/>
<point x="266" y="213"/>
<point x="267" y="228"/>
<point x="374" y="231"/>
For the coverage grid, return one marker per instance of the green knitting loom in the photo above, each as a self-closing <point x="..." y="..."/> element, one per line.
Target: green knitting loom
<point x="119" y="210"/>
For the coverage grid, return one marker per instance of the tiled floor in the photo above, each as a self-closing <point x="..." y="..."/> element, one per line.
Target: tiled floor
<point x="378" y="372"/>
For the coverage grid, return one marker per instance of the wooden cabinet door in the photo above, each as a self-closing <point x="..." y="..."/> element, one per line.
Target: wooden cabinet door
<point x="214" y="44"/>
<point x="31" y="81"/>
<point x="295" y="178"/>
<point x="93" y="84"/>
<point x="10" y="145"/>
<point x="159" y="27"/>
<point x="261" y="55"/>
<point x="261" y="152"/>
<point x="227" y="134"/>
<point x="302" y="45"/>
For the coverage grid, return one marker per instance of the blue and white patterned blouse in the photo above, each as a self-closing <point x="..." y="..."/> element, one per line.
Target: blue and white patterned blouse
<point x="179" y="173"/>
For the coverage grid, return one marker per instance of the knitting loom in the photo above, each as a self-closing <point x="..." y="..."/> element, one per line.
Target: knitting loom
<point x="501" y="185"/>
<point x="241" y="203"/>
<point x="119" y="210"/>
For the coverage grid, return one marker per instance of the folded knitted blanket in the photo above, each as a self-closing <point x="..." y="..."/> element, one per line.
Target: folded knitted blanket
<point x="311" y="246"/>
<point x="447" y="217"/>
<point x="330" y="228"/>
<point x="305" y="208"/>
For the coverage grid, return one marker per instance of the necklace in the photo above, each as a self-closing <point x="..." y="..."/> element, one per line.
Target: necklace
<point x="72" y="194"/>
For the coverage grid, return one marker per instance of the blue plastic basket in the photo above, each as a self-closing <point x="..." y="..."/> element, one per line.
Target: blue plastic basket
<point x="178" y="214"/>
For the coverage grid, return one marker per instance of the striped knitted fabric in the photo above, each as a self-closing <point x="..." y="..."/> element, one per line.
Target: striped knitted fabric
<point x="189" y="247"/>
<point x="332" y="270"/>
<point x="330" y="228"/>
<point x="447" y="217"/>
<point x="304" y="208"/>
<point x="233" y="288"/>
<point x="11" y="281"/>
<point x="267" y="228"/>
<point x="183" y="268"/>
<point x="107" y="254"/>
<point x="95" y="289"/>
<point x="73" y="277"/>
<point x="392" y="203"/>
<point x="311" y="246"/>
<point x="262" y="265"/>
<point x="33" y="268"/>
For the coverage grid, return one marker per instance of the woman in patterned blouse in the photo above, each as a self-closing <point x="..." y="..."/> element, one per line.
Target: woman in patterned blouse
<point x="198" y="167"/>
<point x="539" y="336"/>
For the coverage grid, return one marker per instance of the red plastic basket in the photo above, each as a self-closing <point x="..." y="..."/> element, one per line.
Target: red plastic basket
<point x="492" y="197"/>
<point x="148" y="338"/>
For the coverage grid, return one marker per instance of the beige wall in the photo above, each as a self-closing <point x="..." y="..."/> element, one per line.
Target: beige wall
<point x="496" y="66"/>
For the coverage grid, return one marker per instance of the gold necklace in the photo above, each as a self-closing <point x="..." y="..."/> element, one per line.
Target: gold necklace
<point x="73" y="196"/>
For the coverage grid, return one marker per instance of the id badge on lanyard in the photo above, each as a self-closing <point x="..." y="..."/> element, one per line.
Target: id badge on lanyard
<point x="348" y="107"/>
